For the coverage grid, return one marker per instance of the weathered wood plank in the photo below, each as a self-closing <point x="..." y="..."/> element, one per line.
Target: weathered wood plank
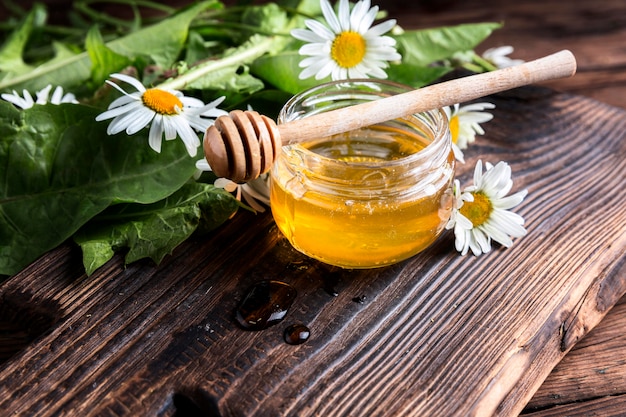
<point x="612" y="406"/>
<point x="594" y="368"/>
<point x="595" y="32"/>
<point x="146" y="340"/>
<point x="126" y="324"/>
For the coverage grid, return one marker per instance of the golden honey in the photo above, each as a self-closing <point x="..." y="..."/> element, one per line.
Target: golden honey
<point x="370" y="197"/>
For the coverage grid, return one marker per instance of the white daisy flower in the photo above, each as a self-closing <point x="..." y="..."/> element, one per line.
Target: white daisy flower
<point x="252" y="192"/>
<point x="498" y="57"/>
<point x="168" y="112"/>
<point x="42" y="97"/>
<point x="481" y="213"/>
<point x="457" y="220"/>
<point x="464" y="124"/>
<point x="348" y="46"/>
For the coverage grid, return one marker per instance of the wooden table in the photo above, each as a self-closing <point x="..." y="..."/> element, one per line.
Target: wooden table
<point x="591" y="379"/>
<point x="146" y="340"/>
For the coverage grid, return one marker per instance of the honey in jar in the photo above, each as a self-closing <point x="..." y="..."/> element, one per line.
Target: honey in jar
<point x="369" y="197"/>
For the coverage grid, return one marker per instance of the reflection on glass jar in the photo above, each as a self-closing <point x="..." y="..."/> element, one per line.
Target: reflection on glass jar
<point x="366" y="198"/>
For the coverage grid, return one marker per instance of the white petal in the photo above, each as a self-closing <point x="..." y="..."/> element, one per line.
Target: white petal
<point x="357" y="72"/>
<point x="382" y="28"/>
<point x="511" y="201"/>
<point x="156" y="132"/>
<point x="314" y="49"/>
<point x="187" y="135"/>
<point x="362" y="17"/>
<point x="43" y="94"/>
<point x="132" y="120"/>
<point x="338" y="73"/>
<point x="141" y="120"/>
<point x="484" y="105"/>
<point x="498" y="236"/>
<point x="215" y="103"/>
<point x="198" y="123"/>
<point x="57" y="95"/>
<point x="109" y="114"/>
<point x="120" y="123"/>
<point x="458" y="153"/>
<point x="203" y="165"/>
<point x="318" y="33"/>
<point x="329" y="16"/>
<point x="511" y="223"/>
<point x="69" y="98"/>
<point x="125" y="99"/>
<point x="464" y="222"/>
<point x="226" y="184"/>
<point x="191" y="102"/>
<point x="169" y="127"/>
<point x="478" y="173"/>
<point x="328" y="68"/>
<point x="481" y="241"/>
<point x="343" y="15"/>
<point x="130" y="80"/>
<point x="16" y="100"/>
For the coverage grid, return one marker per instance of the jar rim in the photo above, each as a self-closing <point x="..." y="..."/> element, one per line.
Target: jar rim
<point x="439" y="116"/>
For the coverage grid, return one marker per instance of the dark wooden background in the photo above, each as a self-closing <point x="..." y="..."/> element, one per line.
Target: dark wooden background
<point x="594" y="30"/>
<point x="589" y="380"/>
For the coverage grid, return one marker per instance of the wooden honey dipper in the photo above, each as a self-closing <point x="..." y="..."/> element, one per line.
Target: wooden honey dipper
<point x="245" y="144"/>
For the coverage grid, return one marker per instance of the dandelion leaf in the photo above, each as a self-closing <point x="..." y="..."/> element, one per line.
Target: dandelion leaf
<point x="161" y="42"/>
<point x="424" y="47"/>
<point x="60" y="169"/>
<point x="153" y="230"/>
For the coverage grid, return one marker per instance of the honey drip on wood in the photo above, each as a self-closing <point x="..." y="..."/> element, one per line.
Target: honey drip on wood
<point x="265" y="304"/>
<point x="296" y="334"/>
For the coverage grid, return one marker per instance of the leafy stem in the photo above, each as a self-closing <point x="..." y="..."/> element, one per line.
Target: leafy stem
<point x="241" y="56"/>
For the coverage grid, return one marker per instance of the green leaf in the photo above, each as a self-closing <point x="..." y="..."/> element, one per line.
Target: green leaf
<point x="267" y="18"/>
<point x="60" y="169"/>
<point x="11" y="60"/>
<point x="282" y="70"/>
<point x="162" y="42"/>
<point x="196" y="48"/>
<point x="414" y="75"/>
<point x="306" y="7"/>
<point x="227" y="81"/>
<point x="104" y="60"/>
<point x="62" y="52"/>
<point x="203" y="75"/>
<point x="423" y="47"/>
<point x="230" y="74"/>
<point x="153" y="230"/>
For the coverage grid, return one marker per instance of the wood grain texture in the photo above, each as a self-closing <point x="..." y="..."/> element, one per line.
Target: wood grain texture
<point x="611" y="406"/>
<point x="595" y="368"/>
<point x="485" y="332"/>
<point x="595" y="32"/>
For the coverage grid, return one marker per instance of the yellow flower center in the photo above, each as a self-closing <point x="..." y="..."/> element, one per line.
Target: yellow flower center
<point x="477" y="211"/>
<point x="454" y="128"/>
<point x="348" y="49"/>
<point x="161" y="101"/>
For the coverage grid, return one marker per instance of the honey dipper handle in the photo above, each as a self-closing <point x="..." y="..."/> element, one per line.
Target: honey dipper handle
<point x="558" y="65"/>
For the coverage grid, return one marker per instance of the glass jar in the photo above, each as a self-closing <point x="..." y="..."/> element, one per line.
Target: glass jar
<point x="370" y="197"/>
